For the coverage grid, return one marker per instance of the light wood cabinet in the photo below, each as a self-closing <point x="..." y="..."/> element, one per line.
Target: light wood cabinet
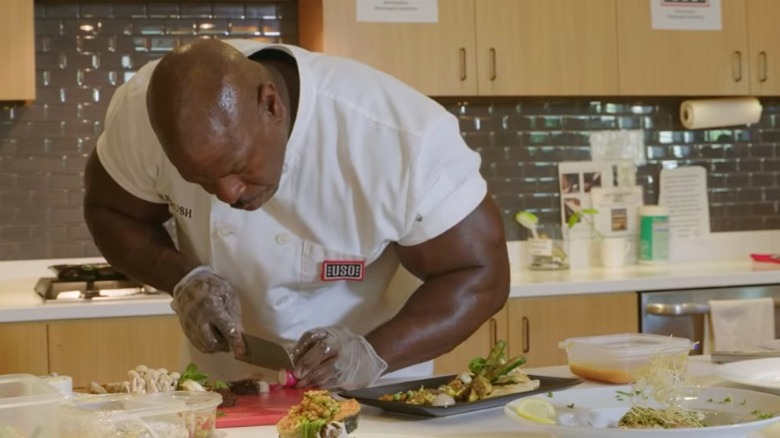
<point x="764" y="46"/>
<point x="546" y="47"/>
<point x="537" y="325"/>
<point x="477" y="345"/>
<point x="435" y="58"/>
<point x="23" y="349"/>
<point x="676" y="62"/>
<point x="489" y="47"/>
<point x="17" y="58"/>
<point x="103" y="350"/>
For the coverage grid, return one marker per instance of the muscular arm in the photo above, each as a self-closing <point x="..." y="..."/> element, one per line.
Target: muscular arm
<point x="465" y="273"/>
<point x="129" y="231"/>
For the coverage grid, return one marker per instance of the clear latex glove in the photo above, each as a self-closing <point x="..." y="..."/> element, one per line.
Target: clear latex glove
<point x="334" y="357"/>
<point x="209" y="311"/>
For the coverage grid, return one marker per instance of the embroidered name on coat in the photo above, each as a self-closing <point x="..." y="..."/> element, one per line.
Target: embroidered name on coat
<point x="333" y="270"/>
<point x="173" y="207"/>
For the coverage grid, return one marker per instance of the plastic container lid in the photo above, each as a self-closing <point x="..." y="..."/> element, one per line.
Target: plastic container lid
<point x="25" y="389"/>
<point x="27" y="406"/>
<point x="626" y="344"/>
<point x="98" y="416"/>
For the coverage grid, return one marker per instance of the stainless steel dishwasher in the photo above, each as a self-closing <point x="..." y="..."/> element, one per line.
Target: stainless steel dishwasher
<point x="681" y="312"/>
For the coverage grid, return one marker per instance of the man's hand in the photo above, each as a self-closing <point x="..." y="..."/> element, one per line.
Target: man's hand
<point x="334" y="357"/>
<point x="209" y="311"/>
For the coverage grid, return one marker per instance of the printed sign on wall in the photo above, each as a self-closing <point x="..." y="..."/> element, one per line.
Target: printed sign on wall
<point x="686" y="14"/>
<point x="398" y="11"/>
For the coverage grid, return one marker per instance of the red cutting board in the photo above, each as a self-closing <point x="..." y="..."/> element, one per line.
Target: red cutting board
<point x="259" y="410"/>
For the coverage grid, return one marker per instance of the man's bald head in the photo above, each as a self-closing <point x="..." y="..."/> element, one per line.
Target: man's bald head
<point x="221" y="120"/>
<point x="199" y="92"/>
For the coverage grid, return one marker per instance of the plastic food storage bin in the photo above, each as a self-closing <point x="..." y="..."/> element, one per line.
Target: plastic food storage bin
<point x="201" y="409"/>
<point x="27" y="405"/>
<point x="123" y="415"/>
<point x="615" y="358"/>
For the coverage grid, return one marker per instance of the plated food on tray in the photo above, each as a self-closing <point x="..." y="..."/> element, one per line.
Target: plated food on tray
<point x="662" y="401"/>
<point x="320" y="415"/>
<point x="489" y="382"/>
<point x="597" y="412"/>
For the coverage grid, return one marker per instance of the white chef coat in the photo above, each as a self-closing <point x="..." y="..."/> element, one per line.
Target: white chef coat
<point x="370" y="161"/>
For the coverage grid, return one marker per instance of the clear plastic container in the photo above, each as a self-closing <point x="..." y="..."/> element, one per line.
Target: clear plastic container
<point x="123" y="415"/>
<point x="27" y="405"/>
<point x="201" y="413"/>
<point x="615" y="358"/>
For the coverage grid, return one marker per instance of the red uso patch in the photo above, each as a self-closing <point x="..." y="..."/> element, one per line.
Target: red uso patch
<point x="333" y="270"/>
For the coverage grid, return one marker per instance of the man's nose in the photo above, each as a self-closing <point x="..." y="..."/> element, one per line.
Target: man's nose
<point x="230" y="189"/>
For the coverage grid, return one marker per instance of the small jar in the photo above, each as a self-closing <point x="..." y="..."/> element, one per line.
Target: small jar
<point x="550" y="251"/>
<point x="653" y="235"/>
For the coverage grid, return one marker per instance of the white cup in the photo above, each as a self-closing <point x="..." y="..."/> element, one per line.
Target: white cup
<point x="614" y="251"/>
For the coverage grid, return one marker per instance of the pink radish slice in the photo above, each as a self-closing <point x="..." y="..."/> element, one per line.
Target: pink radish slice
<point x="286" y="378"/>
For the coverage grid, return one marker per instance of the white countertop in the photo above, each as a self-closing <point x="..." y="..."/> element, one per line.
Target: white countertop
<point x="644" y="278"/>
<point x="719" y="262"/>
<point x="488" y="423"/>
<point x="20" y="303"/>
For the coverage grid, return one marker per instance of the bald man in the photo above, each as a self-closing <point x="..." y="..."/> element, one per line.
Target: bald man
<point x="299" y="183"/>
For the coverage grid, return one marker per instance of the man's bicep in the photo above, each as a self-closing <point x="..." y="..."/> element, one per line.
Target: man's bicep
<point x="103" y="192"/>
<point x="477" y="241"/>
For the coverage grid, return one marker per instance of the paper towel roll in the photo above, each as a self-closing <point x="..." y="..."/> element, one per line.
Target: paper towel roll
<point x="711" y="113"/>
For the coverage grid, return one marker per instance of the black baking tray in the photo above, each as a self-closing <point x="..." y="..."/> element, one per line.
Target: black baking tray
<point x="370" y="396"/>
<point x="87" y="272"/>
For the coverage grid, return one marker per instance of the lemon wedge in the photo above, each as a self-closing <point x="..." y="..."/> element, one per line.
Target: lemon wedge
<point x="536" y="410"/>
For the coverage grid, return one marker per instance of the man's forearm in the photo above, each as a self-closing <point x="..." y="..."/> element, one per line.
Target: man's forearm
<point x="443" y="312"/>
<point x="142" y="250"/>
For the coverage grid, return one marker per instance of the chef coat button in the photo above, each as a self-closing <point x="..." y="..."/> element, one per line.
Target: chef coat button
<point x="284" y="168"/>
<point x="282" y="238"/>
<point x="224" y="231"/>
<point x="282" y="300"/>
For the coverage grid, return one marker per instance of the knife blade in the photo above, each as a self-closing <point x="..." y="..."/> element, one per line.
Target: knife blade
<point x="266" y="354"/>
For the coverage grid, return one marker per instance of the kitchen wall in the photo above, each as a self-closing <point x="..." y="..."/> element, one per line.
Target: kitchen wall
<point x="85" y="50"/>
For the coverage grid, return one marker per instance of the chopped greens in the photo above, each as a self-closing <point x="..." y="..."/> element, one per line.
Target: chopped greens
<point x="663" y="381"/>
<point x="762" y="415"/>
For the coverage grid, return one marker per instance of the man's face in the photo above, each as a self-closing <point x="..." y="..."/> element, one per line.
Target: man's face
<point x="242" y="168"/>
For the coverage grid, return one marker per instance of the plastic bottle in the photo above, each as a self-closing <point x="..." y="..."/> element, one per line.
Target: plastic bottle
<point x="653" y="234"/>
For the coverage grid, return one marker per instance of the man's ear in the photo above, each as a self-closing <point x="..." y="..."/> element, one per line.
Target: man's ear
<point x="269" y="102"/>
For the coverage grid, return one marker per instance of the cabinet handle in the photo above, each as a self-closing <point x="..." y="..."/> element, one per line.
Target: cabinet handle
<point x="526" y="335"/>
<point x="493" y="331"/>
<point x="736" y="68"/>
<point x="462" y="63"/>
<point x="762" y="67"/>
<point x="492" y="64"/>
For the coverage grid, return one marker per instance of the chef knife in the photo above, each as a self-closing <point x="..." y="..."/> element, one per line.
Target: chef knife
<point x="266" y="354"/>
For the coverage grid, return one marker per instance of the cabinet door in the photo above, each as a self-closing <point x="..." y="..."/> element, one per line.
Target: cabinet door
<point x="17" y="58"/>
<point x="763" y="40"/>
<point x="104" y="350"/>
<point x="477" y="345"/>
<point x="23" y="349"/>
<point x="435" y="58"/>
<point x="546" y="47"/>
<point x="681" y="62"/>
<point x="537" y="325"/>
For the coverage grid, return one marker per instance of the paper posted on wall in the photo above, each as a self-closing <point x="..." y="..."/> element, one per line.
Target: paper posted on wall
<point x="683" y="191"/>
<point x="577" y="179"/>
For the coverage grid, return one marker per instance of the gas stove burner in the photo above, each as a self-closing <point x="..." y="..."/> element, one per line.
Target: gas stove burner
<point x="55" y="290"/>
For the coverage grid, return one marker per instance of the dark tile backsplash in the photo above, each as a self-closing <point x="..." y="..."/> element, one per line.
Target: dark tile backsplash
<point x="85" y="50"/>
